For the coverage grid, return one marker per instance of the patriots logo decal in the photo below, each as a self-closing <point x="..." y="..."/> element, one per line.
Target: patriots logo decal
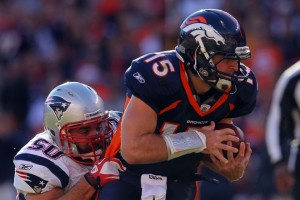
<point x="35" y="182"/>
<point x="58" y="105"/>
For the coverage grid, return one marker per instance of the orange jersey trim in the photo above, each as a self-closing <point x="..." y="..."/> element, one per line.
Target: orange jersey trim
<point x="170" y="107"/>
<point x="231" y="106"/>
<point x="191" y="98"/>
<point x="197" y="191"/>
<point x="115" y="143"/>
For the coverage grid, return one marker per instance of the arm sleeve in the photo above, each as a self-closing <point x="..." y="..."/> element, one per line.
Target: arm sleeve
<point x="141" y="83"/>
<point x="281" y="122"/>
<point x="246" y="98"/>
<point x="34" y="174"/>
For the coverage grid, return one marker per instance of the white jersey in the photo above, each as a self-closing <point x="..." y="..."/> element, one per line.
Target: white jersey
<point x="41" y="166"/>
<point x="283" y="120"/>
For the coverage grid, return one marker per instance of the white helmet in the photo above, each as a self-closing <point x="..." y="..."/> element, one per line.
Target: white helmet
<point x="75" y="105"/>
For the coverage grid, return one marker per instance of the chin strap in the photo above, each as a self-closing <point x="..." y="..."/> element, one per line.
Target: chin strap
<point x="192" y="86"/>
<point x="88" y="158"/>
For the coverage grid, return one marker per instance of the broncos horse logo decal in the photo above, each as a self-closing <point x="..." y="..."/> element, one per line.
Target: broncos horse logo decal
<point x="200" y="30"/>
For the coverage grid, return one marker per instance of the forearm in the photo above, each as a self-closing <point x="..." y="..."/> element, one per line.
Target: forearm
<point x="53" y="194"/>
<point x="166" y="147"/>
<point x="82" y="189"/>
<point x="148" y="148"/>
<point x="139" y="143"/>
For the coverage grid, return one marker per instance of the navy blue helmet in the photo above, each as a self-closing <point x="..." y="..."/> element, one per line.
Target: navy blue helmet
<point x="206" y="33"/>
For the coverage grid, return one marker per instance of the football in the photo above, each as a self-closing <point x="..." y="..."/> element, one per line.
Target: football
<point x="239" y="133"/>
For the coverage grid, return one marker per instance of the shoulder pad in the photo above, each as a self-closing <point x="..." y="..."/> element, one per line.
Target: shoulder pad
<point x="39" y="167"/>
<point x="41" y="177"/>
<point x="115" y="115"/>
<point x="248" y="91"/>
<point x="245" y="97"/>
<point x="154" y="75"/>
<point x="114" y="120"/>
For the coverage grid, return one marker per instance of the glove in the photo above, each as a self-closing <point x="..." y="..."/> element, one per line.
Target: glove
<point x="104" y="171"/>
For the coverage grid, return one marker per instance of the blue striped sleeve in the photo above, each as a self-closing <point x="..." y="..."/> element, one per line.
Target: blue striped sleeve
<point x="56" y="170"/>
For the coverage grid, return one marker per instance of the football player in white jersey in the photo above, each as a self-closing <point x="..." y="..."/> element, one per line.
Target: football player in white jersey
<point x="57" y="163"/>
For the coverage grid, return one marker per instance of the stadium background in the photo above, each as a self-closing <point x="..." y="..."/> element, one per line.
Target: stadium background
<point x="46" y="42"/>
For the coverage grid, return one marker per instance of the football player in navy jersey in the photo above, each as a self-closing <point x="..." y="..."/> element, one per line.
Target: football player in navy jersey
<point x="174" y="99"/>
<point x="57" y="163"/>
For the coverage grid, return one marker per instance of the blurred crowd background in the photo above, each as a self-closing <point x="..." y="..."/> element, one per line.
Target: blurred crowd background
<point x="44" y="43"/>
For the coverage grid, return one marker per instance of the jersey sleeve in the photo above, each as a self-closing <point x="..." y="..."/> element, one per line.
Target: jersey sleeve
<point x="36" y="173"/>
<point x="143" y="83"/>
<point x="246" y="98"/>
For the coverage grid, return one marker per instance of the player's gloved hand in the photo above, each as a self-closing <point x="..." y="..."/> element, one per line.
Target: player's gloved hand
<point x="104" y="171"/>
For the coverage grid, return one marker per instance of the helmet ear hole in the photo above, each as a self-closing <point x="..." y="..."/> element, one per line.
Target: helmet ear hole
<point x="205" y="72"/>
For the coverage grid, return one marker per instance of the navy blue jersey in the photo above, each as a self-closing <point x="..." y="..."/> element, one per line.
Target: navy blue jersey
<point x="160" y="80"/>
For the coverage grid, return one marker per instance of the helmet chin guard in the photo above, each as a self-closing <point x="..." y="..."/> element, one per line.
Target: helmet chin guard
<point x="95" y="145"/>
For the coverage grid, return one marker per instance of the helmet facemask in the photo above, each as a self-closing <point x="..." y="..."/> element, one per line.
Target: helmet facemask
<point x="95" y="145"/>
<point x="206" y="69"/>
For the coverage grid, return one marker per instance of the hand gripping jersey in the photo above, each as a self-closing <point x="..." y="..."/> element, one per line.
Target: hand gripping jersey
<point x="160" y="80"/>
<point x="41" y="166"/>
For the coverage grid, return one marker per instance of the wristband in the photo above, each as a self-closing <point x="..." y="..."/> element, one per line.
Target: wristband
<point x="183" y="143"/>
<point x="95" y="183"/>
